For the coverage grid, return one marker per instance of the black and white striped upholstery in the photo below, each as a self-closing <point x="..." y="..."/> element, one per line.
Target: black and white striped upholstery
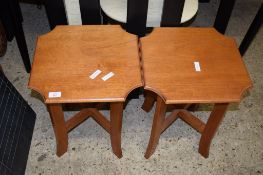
<point x="137" y="14"/>
<point x="17" y="122"/>
<point x="77" y="12"/>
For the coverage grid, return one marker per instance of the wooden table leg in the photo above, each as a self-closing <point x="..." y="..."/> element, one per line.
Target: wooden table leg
<point x="59" y="126"/>
<point x="116" y="110"/>
<point x="158" y="120"/>
<point x="148" y="103"/>
<point x="211" y="126"/>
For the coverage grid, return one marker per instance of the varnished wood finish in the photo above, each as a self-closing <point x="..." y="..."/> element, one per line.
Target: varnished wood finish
<point x="192" y="120"/>
<point x="186" y="116"/>
<point x="83" y="115"/>
<point x="170" y="119"/>
<point x="64" y="60"/>
<point x="208" y="130"/>
<point x="169" y="55"/>
<point x="62" y="127"/>
<point x="158" y="120"/>
<point x="149" y="100"/>
<point x="212" y="124"/>
<point x="59" y="126"/>
<point x="66" y="57"/>
<point x="115" y="129"/>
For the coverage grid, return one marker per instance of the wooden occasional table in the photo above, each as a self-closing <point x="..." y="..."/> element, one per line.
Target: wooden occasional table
<point x="64" y="60"/>
<point x="169" y="56"/>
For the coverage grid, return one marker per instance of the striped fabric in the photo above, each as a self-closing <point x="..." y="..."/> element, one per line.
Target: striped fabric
<point x="117" y="9"/>
<point x="17" y="122"/>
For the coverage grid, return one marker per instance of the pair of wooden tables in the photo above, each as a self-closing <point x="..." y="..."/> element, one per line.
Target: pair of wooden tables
<point x="181" y="65"/>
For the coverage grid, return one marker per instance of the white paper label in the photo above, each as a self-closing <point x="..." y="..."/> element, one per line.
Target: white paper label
<point x="95" y="74"/>
<point x="108" y="76"/>
<point x="54" y="94"/>
<point x="197" y="66"/>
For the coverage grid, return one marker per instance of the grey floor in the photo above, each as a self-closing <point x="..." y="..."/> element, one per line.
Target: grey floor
<point x="236" y="149"/>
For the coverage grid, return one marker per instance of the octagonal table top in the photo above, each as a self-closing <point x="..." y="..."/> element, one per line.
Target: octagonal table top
<point x="66" y="57"/>
<point x="193" y="65"/>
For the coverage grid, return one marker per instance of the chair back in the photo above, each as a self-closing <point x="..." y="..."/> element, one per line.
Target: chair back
<point x="137" y="15"/>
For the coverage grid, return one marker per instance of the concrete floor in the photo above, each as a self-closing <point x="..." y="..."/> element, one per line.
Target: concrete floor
<point x="236" y="149"/>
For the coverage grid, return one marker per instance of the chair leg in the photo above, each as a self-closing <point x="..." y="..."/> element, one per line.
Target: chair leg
<point x="116" y="110"/>
<point x="158" y="121"/>
<point x="59" y="126"/>
<point x="252" y="31"/>
<point x="223" y="15"/>
<point x="21" y="42"/>
<point x="212" y="124"/>
<point x="148" y="103"/>
<point x="19" y="34"/>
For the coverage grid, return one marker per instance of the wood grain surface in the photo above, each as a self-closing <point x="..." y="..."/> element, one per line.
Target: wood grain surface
<point x="169" y="54"/>
<point x="66" y="57"/>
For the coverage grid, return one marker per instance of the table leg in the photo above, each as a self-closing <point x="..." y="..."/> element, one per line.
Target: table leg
<point x="211" y="126"/>
<point x="149" y="101"/>
<point x="59" y="126"/>
<point x="158" y="120"/>
<point x="116" y="110"/>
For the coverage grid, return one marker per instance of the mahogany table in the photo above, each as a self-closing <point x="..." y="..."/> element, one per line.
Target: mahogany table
<point x="66" y="57"/>
<point x="189" y="66"/>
